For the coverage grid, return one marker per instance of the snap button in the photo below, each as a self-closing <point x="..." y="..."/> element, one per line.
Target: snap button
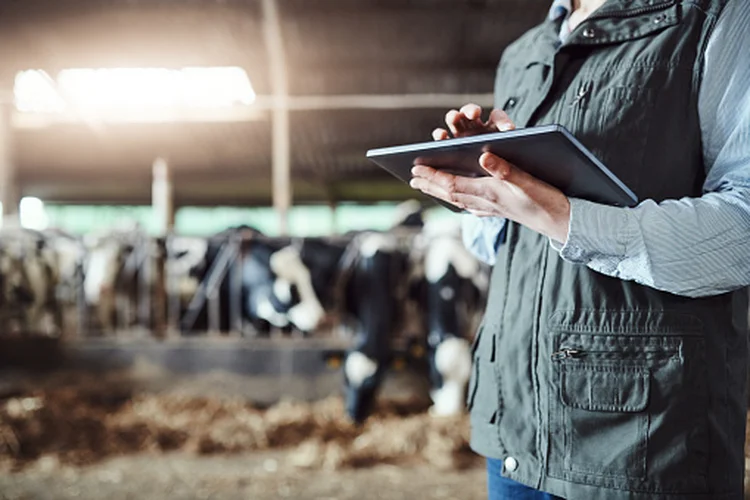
<point x="589" y="33"/>
<point x="660" y="18"/>
<point x="511" y="464"/>
<point x="511" y="103"/>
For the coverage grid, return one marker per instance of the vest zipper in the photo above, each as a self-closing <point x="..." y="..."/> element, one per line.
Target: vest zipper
<point x="575" y="353"/>
<point x="568" y="353"/>
<point x="583" y="91"/>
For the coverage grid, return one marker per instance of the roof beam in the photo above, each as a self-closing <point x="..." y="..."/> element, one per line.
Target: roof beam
<point x="374" y="101"/>
<point x="264" y="104"/>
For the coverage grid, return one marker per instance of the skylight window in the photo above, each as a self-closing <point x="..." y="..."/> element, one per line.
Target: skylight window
<point x="127" y="93"/>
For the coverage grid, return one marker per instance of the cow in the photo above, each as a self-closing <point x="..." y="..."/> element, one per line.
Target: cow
<point x="409" y="284"/>
<point x="185" y="261"/>
<point x="238" y="252"/>
<point x="282" y="280"/>
<point x="37" y="272"/>
<point x="303" y="283"/>
<point x="375" y="294"/>
<point x="69" y="256"/>
<point x="455" y="292"/>
<point x="383" y="286"/>
<point x="438" y="281"/>
<point x="114" y="261"/>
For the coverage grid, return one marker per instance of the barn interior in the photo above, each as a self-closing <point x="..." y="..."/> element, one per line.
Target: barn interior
<point x="188" y="219"/>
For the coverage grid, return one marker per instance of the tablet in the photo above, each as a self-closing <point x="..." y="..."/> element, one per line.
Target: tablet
<point x="548" y="152"/>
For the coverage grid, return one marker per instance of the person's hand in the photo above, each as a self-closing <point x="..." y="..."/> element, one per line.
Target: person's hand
<point x="507" y="192"/>
<point x="468" y="121"/>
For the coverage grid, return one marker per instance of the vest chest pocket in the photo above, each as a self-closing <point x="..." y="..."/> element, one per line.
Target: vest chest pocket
<point x="616" y="126"/>
<point x="628" y="412"/>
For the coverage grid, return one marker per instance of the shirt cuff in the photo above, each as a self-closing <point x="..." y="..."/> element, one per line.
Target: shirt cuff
<point x="482" y="235"/>
<point x="595" y="230"/>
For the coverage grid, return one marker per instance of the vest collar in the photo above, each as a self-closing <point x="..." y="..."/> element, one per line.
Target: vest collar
<point x="614" y="22"/>
<point x="630" y="7"/>
<point x="625" y="20"/>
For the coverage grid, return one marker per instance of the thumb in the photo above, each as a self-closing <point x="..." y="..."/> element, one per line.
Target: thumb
<point x="495" y="166"/>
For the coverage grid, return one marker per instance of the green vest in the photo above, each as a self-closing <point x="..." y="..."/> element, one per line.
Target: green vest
<point x="591" y="387"/>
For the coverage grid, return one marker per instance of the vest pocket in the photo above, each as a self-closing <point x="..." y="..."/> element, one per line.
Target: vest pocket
<point x="603" y="406"/>
<point x="483" y="396"/>
<point x="623" y="120"/>
<point x="629" y="412"/>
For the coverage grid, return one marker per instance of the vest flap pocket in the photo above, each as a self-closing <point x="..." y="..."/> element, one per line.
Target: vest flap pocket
<point x="621" y="389"/>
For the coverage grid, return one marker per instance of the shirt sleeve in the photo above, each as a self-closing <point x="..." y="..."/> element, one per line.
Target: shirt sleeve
<point x="692" y="246"/>
<point x="482" y="236"/>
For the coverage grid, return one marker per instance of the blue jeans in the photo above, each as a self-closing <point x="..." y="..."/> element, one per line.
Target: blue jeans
<point x="502" y="488"/>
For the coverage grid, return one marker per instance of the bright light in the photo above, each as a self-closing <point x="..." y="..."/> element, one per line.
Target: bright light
<point x="127" y="93"/>
<point x="35" y="93"/>
<point x="32" y="214"/>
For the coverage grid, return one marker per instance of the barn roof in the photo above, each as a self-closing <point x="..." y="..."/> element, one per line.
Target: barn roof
<point x="352" y="65"/>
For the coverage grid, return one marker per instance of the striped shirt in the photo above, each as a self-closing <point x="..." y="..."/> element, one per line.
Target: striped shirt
<point x="692" y="246"/>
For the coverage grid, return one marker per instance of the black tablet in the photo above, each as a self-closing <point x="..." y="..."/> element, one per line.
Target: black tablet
<point x="549" y="153"/>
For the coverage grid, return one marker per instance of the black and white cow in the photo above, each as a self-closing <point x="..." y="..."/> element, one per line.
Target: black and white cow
<point x="294" y="281"/>
<point x="456" y="285"/>
<point x="375" y="294"/>
<point x="282" y="280"/>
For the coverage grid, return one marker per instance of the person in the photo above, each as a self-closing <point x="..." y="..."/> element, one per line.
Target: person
<point x="612" y="358"/>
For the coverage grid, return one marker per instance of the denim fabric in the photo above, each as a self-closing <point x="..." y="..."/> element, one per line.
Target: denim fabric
<point x="502" y="488"/>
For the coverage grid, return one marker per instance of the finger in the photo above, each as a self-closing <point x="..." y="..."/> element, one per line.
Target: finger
<point x="433" y="189"/>
<point x="434" y="182"/>
<point x="472" y="119"/>
<point x="500" y="120"/>
<point x="444" y="180"/>
<point x="481" y="213"/>
<point x="460" y="125"/>
<point x="495" y="166"/>
<point x="449" y="187"/>
<point x="452" y="183"/>
<point x="471" y="111"/>
<point x="476" y="205"/>
<point x="422" y="171"/>
<point x="455" y="122"/>
<point x="440" y="134"/>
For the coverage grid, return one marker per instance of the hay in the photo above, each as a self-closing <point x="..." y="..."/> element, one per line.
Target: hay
<point x="79" y="424"/>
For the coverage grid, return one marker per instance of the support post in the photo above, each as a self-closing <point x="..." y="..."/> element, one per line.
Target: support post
<point x="9" y="192"/>
<point x="333" y="207"/>
<point x="162" y="205"/>
<point x="162" y="202"/>
<point x="282" y="188"/>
